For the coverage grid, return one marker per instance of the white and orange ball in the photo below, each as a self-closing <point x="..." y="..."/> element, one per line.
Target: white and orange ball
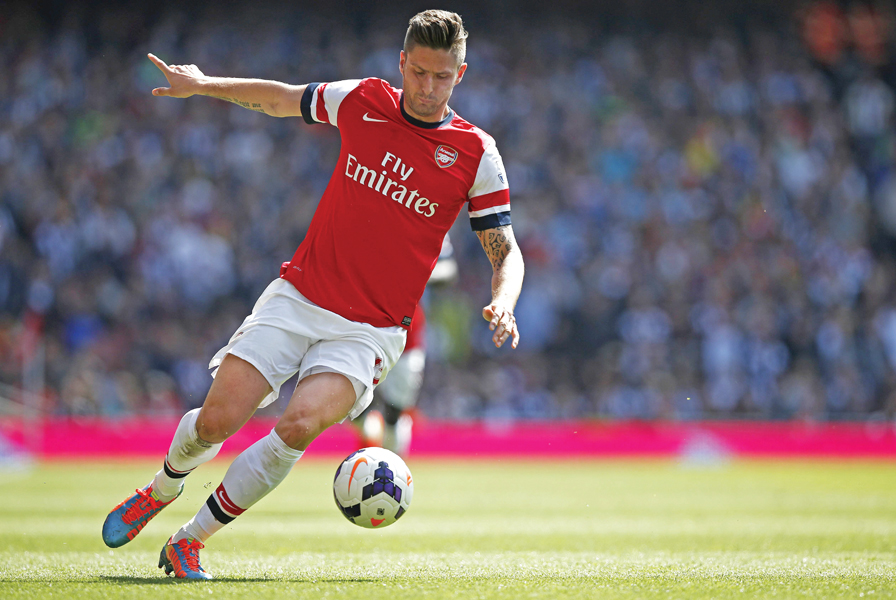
<point x="373" y="487"/>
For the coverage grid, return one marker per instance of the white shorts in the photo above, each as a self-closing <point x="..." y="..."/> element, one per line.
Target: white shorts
<point x="288" y="334"/>
<point x="405" y="379"/>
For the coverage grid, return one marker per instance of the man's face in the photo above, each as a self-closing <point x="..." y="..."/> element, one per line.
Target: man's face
<point x="428" y="78"/>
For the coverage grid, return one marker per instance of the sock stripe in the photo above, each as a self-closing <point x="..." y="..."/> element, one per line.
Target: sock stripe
<point x="226" y="503"/>
<point x="223" y="508"/>
<point x="170" y="472"/>
<point x="219" y="514"/>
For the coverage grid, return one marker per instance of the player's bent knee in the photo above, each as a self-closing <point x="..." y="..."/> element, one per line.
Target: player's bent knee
<point x="215" y="426"/>
<point x="320" y="400"/>
<point x="236" y="392"/>
<point x="298" y="431"/>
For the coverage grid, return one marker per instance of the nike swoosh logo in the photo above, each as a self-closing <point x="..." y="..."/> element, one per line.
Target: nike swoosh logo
<point x="355" y="468"/>
<point x="372" y="120"/>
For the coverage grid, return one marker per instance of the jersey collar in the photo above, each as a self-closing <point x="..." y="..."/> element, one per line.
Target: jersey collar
<point x="424" y="124"/>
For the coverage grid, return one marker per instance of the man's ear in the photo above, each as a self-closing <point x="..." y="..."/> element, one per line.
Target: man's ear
<point x="460" y="73"/>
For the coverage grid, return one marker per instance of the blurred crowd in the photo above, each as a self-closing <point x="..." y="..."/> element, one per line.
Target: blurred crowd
<point x="708" y="220"/>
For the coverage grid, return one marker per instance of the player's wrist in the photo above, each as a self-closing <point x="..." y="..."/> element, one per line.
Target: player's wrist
<point x="503" y="303"/>
<point x="209" y="86"/>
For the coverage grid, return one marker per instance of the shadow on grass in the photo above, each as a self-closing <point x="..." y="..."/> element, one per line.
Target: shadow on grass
<point x="123" y="579"/>
<point x="118" y="579"/>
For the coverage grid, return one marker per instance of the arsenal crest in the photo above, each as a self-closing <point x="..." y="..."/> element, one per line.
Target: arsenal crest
<point x="445" y="156"/>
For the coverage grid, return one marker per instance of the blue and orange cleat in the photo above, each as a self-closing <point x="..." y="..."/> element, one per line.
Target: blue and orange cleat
<point x="128" y="518"/>
<point x="182" y="559"/>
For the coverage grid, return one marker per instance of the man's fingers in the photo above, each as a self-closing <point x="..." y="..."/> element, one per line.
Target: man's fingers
<point x="166" y="71"/>
<point x="488" y="313"/>
<point x="506" y="330"/>
<point x="506" y="335"/>
<point x="503" y="323"/>
<point x="159" y="63"/>
<point x="496" y="314"/>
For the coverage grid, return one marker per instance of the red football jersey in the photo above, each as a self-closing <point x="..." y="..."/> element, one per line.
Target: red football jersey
<point x="397" y="188"/>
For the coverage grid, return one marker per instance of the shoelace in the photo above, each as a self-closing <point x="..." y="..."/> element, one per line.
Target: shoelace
<point x="140" y="507"/>
<point x="191" y="554"/>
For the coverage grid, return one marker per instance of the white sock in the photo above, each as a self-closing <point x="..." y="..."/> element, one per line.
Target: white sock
<point x="254" y="473"/>
<point x="187" y="452"/>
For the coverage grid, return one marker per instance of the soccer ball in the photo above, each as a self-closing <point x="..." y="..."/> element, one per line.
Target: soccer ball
<point x="373" y="487"/>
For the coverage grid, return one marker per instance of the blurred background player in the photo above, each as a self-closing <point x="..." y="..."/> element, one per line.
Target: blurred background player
<point x="388" y="422"/>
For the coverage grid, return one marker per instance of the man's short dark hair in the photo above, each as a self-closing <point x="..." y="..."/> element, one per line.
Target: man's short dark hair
<point x="439" y="30"/>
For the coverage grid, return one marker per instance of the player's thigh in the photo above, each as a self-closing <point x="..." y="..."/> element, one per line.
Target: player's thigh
<point x="236" y="392"/>
<point x="320" y="400"/>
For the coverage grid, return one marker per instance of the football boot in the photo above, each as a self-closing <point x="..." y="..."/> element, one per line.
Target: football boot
<point x="182" y="559"/>
<point x="128" y="518"/>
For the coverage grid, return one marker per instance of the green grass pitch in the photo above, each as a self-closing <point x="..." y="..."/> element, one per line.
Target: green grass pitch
<point x="478" y="530"/>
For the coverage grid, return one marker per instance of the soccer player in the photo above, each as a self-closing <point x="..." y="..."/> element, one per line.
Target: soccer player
<point x="339" y="313"/>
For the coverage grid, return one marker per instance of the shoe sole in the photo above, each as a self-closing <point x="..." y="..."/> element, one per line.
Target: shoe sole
<point x="164" y="562"/>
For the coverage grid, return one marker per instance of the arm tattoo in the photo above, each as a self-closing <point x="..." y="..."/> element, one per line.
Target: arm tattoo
<point x="251" y="106"/>
<point x="497" y="245"/>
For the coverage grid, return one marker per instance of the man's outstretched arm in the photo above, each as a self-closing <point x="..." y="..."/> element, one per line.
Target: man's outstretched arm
<point x="269" y="97"/>
<point x="507" y="280"/>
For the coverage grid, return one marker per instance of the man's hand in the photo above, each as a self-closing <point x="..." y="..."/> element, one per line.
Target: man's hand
<point x="268" y="97"/>
<point x="183" y="79"/>
<point x="503" y="323"/>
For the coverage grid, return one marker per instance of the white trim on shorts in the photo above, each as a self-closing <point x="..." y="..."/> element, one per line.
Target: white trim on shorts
<point x="288" y="334"/>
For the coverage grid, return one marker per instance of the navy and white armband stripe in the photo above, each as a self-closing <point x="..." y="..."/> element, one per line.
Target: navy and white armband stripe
<point x="320" y="101"/>
<point x="307" y="102"/>
<point x="489" y="205"/>
<point x="489" y="218"/>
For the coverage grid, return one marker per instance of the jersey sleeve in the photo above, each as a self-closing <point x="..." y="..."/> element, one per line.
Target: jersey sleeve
<point x="321" y="101"/>
<point x="489" y="198"/>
